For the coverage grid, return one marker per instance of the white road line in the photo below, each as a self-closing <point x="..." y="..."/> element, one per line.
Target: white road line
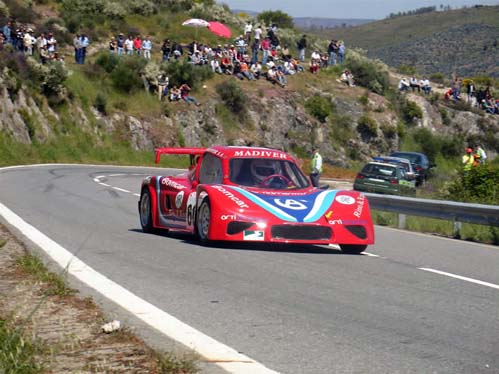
<point x="121" y="189"/>
<point x="222" y="355"/>
<point x="104" y="184"/>
<point x="116" y="175"/>
<point x="137" y="194"/>
<point x="482" y="283"/>
<point x="369" y="254"/>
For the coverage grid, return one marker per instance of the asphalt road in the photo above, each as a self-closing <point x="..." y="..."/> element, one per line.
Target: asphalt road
<point x="295" y="310"/>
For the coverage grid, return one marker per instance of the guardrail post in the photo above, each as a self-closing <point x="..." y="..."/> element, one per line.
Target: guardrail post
<point x="402" y="219"/>
<point x="456" y="232"/>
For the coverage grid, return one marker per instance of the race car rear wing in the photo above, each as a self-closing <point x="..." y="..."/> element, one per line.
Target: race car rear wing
<point x="191" y="151"/>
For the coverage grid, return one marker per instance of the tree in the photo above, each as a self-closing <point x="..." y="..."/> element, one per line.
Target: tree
<point x="278" y="17"/>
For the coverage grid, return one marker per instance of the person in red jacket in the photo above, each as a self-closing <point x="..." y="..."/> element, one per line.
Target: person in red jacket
<point x="137" y="45"/>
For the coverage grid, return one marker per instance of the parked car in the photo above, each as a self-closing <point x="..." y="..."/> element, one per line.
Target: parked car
<point x="420" y="163"/>
<point x="250" y="194"/>
<point x="385" y="178"/>
<point x="404" y="162"/>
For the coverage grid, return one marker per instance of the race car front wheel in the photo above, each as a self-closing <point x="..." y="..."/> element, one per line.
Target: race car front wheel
<point x="353" y="248"/>
<point x="145" y="211"/>
<point x="203" y="220"/>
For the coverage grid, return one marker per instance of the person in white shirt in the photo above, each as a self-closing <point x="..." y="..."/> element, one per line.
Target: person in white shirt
<point x="258" y="33"/>
<point x="129" y="45"/>
<point x="247" y="32"/>
<point x="146" y="48"/>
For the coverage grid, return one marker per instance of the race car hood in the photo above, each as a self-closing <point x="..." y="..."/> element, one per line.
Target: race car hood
<point x="291" y="207"/>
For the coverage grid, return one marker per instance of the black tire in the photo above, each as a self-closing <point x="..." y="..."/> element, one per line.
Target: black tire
<point x="145" y="211"/>
<point x="353" y="249"/>
<point x="203" y="221"/>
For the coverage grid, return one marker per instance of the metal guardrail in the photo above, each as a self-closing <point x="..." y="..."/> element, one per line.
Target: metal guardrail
<point x="447" y="210"/>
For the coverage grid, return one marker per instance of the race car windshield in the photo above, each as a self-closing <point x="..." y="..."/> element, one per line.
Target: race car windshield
<point x="267" y="173"/>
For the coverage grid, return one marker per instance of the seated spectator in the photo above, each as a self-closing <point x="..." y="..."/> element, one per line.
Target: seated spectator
<point x="487" y="106"/>
<point x="272" y="76"/>
<point x="174" y="94"/>
<point x="296" y="65"/>
<point x="215" y="66"/>
<point x="245" y="71"/>
<point x="314" y="67"/>
<point x="347" y="78"/>
<point x="448" y="94"/>
<point x="285" y="55"/>
<point x="288" y="68"/>
<point x="237" y="70"/>
<point x="256" y="69"/>
<point x="426" y="86"/>
<point x="185" y="94"/>
<point x="315" y="57"/>
<point x="403" y="85"/>
<point x="226" y="65"/>
<point x="414" y="84"/>
<point x="324" y="60"/>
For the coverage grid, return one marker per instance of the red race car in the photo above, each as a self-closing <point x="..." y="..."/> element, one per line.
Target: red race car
<point x="254" y="195"/>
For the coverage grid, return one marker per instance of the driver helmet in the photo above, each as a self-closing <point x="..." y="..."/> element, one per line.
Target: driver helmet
<point x="261" y="169"/>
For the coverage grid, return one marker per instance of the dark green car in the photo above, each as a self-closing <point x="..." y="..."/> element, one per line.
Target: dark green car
<point x="384" y="178"/>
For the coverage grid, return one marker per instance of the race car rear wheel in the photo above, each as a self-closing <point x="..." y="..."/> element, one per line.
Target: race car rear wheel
<point x="353" y="248"/>
<point x="145" y="211"/>
<point x="203" y="220"/>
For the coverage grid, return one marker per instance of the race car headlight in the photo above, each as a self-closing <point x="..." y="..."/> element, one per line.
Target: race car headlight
<point x="261" y="225"/>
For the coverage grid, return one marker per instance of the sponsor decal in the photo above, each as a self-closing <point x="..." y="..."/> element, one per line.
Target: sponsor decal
<point x="169" y="183"/>
<point x="336" y="222"/>
<point x="260" y="153"/>
<point x="178" y="199"/>
<point x="191" y="201"/>
<point x="361" y="200"/>
<point x="329" y="214"/>
<point x="216" y="152"/>
<point x="231" y="197"/>
<point x="283" y="193"/>
<point x="291" y="204"/>
<point x="345" y="199"/>
<point x="230" y="217"/>
<point x="253" y="235"/>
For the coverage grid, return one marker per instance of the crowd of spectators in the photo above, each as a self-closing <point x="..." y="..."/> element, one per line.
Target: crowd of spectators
<point x="251" y="56"/>
<point x="481" y="98"/>
<point x="23" y="39"/>
<point x="414" y="84"/>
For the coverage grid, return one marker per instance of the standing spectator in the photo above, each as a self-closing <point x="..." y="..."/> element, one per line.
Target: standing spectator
<point x="341" y="52"/>
<point x="258" y="33"/>
<point x="265" y="48"/>
<point x="185" y="94"/>
<point x="166" y="49"/>
<point x="332" y="49"/>
<point x="468" y="160"/>
<point x="51" y="44"/>
<point x="41" y="42"/>
<point x="146" y="47"/>
<point x="255" y="47"/>
<point x="7" y="32"/>
<point x="177" y="50"/>
<point x="120" y="44"/>
<point x="481" y="153"/>
<point x="28" y="42"/>
<point x="302" y="45"/>
<point x="129" y="45"/>
<point x="44" y="54"/>
<point x="162" y="86"/>
<point x="113" y="45"/>
<point x="456" y="89"/>
<point x="247" y="32"/>
<point x="84" y="44"/>
<point x="470" y="92"/>
<point x="137" y="45"/>
<point x="77" y="47"/>
<point x="316" y="167"/>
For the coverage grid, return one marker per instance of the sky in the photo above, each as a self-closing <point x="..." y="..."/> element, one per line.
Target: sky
<point x="371" y="9"/>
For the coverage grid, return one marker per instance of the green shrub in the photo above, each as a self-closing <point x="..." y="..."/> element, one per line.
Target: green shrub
<point x="407" y="69"/>
<point x="278" y="17"/>
<point x="319" y="107"/>
<point x="388" y="130"/>
<point x="445" y="117"/>
<point x="432" y="144"/>
<point x="180" y="72"/>
<point x="108" y="61"/>
<point x="368" y="73"/>
<point x="437" y="78"/>
<point x="100" y="103"/>
<point x="126" y="76"/>
<point x="233" y="97"/>
<point x="367" y="126"/>
<point x="410" y="111"/>
<point x="479" y="185"/>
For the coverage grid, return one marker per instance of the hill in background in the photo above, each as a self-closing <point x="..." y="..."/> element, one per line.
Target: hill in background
<point x="462" y="41"/>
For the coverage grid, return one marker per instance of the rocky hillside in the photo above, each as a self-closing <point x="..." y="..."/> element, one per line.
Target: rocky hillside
<point x="462" y="41"/>
<point x="86" y="112"/>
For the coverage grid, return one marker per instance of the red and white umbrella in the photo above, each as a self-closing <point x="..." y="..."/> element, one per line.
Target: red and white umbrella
<point x="219" y="29"/>
<point x="196" y="22"/>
